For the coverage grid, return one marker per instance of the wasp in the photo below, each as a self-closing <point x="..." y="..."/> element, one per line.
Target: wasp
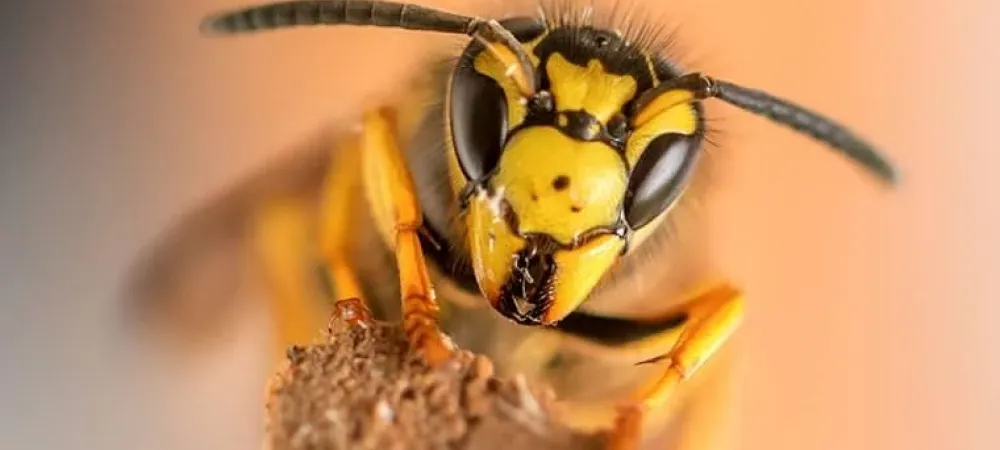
<point x="525" y="199"/>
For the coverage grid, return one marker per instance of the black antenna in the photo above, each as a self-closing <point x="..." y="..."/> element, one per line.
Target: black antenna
<point x="380" y="14"/>
<point x="332" y="12"/>
<point x="780" y="111"/>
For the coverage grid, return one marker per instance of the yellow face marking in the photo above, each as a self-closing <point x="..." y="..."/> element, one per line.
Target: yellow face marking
<point x="681" y="118"/>
<point x="492" y="245"/>
<point x="665" y="101"/>
<point x="558" y="185"/>
<point x="511" y="67"/>
<point x="579" y="270"/>
<point x="588" y="88"/>
<point x="496" y="66"/>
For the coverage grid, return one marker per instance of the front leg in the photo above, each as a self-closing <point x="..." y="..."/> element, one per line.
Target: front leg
<point x="394" y="201"/>
<point x="712" y="317"/>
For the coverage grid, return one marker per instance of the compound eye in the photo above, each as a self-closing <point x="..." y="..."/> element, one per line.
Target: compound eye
<point x="659" y="177"/>
<point x="478" y="122"/>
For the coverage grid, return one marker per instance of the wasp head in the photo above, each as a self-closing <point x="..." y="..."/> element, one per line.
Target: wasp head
<point x="556" y="182"/>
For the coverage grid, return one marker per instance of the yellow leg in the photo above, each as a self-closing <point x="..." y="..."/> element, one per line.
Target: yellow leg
<point x="707" y="416"/>
<point x="283" y="237"/>
<point x="392" y="194"/>
<point x="339" y="205"/>
<point x="286" y="238"/>
<point x="712" y="317"/>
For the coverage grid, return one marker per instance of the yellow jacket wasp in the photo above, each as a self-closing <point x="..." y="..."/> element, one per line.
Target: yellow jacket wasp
<point x="539" y="170"/>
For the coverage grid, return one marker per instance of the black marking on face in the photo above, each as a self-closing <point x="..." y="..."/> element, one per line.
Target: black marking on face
<point x="546" y="243"/>
<point x="560" y="183"/>
<point x="618" y="127"/>
<point x="526" y="296"/>
<point x="578" y="125"/>
<point x="580" y="44"/>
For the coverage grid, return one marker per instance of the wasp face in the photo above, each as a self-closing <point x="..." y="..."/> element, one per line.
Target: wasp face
<point x="546" y="225"/>
<point x="557" y="183"/>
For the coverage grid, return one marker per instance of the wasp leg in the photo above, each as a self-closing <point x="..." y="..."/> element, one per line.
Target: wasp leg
<point x="338" y="204"/>
<point x="393" y="196"/>
<point x="712" y="317"/>
<point x="283" y="238"/>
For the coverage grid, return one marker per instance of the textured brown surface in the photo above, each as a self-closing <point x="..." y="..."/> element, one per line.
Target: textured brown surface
<point x="363" y="389"/>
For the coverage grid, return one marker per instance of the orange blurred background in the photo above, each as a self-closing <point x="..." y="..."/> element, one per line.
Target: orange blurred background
<point x="871" y="318"/>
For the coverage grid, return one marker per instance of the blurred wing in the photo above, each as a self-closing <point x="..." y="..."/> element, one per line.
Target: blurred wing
<point x="198" y="277"/>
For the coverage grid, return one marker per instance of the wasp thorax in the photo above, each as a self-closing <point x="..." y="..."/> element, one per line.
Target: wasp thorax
<point x="559" y="186"/>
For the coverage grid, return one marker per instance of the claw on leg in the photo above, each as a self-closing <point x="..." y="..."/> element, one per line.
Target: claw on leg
<point x="353" y="311"/>
<point x="712" y="319"/>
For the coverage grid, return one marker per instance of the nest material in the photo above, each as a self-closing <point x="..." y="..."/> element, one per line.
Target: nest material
<point x="361" y="388"/>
